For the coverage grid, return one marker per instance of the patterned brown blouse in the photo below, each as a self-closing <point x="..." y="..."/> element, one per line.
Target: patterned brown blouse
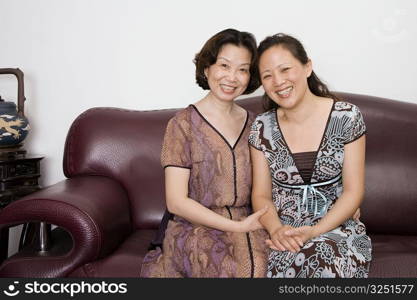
<point x="220" y="179"/>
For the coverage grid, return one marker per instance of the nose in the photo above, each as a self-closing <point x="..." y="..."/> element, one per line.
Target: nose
<point x="277" y="79"/>
<point x="232" y="75"/>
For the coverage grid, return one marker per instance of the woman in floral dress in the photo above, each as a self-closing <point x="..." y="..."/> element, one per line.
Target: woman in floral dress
<point x="308" y="156"/>
<point x="208" y="174"/>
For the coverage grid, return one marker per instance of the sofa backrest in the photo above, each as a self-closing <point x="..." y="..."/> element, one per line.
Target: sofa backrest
<point x="390" y="203"/>
<point x="125" y="145"/>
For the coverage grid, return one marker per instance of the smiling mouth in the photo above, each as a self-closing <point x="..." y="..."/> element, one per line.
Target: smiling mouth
<point x="285" y="92"/>
<point x="228" y="88"/>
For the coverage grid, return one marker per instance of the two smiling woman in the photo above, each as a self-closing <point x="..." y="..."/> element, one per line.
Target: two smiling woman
<point x="301" y="148"/>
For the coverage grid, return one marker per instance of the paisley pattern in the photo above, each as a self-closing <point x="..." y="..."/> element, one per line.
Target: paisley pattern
<point x="221" y="180"/>
<point x="342" y="252"/>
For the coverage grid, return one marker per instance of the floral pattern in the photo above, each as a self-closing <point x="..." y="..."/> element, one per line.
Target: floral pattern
<point x="345" y="251"/>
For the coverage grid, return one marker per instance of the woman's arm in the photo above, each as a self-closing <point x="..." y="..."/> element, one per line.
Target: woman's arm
<point x="178" y="203"/>
<point x="353" y="174"/>
<point x="262" y="190"/>
<point x="262" y="197"/>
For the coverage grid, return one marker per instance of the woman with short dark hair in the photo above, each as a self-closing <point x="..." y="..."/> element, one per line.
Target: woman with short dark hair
<point x="207" y="172"/>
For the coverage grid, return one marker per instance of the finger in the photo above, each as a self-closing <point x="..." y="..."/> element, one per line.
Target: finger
<point x="287" y="245"/>
<point x="291" y="244"/>
<point x="278" y="245"/>
<point x="294" y="244"/>
<point x="295" y="234"/>
<point x="299" y="241"/>
<point x="357" y="215"/>
<point x="271" y="245"/>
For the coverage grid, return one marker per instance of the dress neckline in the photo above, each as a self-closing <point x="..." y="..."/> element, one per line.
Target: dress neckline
<point x="218" y="132"/>
<point x="320" y="144"/>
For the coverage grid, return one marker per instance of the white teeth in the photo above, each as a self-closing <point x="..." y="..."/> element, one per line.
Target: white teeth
<point x="228" y="88"/>
<point x="285" y="92"/>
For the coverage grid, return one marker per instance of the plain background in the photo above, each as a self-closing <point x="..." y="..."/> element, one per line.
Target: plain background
<point x="78" y="54"/>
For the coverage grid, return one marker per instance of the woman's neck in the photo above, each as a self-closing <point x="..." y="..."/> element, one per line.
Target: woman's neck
<point x="215" y="106"/>
<point x="303" y="111"/>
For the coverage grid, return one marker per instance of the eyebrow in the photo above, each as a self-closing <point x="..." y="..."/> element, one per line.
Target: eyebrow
<point x="224" y="58"/>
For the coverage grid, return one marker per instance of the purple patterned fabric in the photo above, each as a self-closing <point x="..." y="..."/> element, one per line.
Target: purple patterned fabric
<point x="221" y="180"/>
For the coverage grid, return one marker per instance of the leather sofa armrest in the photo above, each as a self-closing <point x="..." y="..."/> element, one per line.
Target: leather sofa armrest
<point x="94" y="210"/>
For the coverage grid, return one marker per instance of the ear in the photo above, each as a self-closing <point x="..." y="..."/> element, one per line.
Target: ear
<point x="309" y="67"/>
<point x="205" y="72"/>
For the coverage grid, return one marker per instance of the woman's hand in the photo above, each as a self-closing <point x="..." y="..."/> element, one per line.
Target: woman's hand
<point x="357" y="214"/>
<point x="303" y="233"/>
<point x="280" y="241"/>
<point x="251" y="222"/>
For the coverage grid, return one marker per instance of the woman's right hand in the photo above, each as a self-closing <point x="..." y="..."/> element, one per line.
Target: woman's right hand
<point x="251" y="222"/>
<point x="279" y="241"/>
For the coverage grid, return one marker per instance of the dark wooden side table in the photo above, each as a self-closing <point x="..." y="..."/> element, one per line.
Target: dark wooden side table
<point x="19" y="175"/>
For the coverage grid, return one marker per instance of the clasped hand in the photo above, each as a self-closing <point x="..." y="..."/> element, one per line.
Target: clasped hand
<point x="288" y="238"/>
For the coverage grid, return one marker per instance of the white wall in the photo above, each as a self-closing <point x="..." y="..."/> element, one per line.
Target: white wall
<point x="78" y="54"/>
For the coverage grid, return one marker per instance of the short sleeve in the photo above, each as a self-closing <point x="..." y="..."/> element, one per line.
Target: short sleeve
<point x="357" y="126"/>
<point x="176" y="147"/>
<point x="254" y="135"/>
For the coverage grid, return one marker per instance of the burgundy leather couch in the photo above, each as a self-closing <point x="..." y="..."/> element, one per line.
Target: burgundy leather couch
<point x="109" y="207"/>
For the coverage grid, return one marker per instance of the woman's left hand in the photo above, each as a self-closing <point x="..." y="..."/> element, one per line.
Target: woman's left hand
<point x="357" y="214"/>
<point x="304" y="233"/>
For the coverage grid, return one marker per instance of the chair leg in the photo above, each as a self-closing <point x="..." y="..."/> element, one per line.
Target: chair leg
<point x="4" y="244"/>
<point x="36" y="234"/>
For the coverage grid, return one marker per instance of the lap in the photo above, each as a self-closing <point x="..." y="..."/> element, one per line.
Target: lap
<point x="334" y="254"/>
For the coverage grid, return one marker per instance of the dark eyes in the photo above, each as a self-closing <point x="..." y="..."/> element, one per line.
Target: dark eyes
<point x="283" y="70"/>
<point x="226" y="67"/>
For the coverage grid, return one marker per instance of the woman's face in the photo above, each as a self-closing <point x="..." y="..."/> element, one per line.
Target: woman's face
<point x="229" y="76"/>
<point x="283" y="77"/>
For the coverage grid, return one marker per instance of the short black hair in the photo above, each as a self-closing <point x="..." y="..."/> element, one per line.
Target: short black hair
<point x="208" y="56"/>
